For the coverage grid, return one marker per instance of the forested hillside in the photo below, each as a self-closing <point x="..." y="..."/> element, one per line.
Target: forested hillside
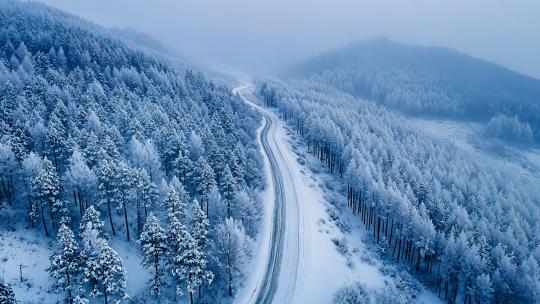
<point x="432" y="81"/>
<point x="101" y="142"/>
<point x="465" y="225"/>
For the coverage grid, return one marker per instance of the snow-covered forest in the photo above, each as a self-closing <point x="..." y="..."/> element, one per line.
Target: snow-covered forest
<point x="140" y="162"/>
<point x="466" y="226"/>
<point x="103" y="144"/>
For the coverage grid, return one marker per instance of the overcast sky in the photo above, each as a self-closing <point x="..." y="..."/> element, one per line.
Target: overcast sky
<point x="259" y="35"/>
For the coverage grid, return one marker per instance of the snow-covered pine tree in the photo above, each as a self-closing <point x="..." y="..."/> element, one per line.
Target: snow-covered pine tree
<point x="146" y="194"/>
<point x="8" y="166"/>
<point x="153" y="246"/>
<point x="228" y="188"/>
<point x="483" y="290"/>
<point x="65" y="263"/>
<point x="182" y="167"/>
<point x="81" y="180"/>
<point x="199" y="232"/>
<point x="231" y="249"/>
<point x="105" y="269"/>
<point x="31" y="166"/>
<point x="107" y="192"/>
<point x="7" y="296"/>
<point x="250" y="212"/>
<point x="122" y="183"/>
<point x="91" y="220"/>
<point x="199" y="226"/>
<point x="47" y="188"/>
<point x="183" y="253"/>
<point x="58" y="135"/>
<point x="80" y="300"/>
<point x="175" y="205"/>
<point x="205" y="178"/>
<point x="215" y="203"/>
<point x="238" y="164"/>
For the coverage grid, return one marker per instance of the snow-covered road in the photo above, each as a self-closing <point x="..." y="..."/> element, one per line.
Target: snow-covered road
<point x="275" y="279"/>
<point x="295" y="259"/>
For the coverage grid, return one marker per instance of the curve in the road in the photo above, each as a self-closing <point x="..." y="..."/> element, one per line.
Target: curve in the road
<point x="271" y="276"/>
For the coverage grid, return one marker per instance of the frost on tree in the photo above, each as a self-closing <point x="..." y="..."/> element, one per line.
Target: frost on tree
<point x="153" y="243"/>
<point x="105" y="269"/>
<point x="7" y="296"/>
<point x="104" y="128"/>
<point x="231" y="251"/>
<point x="66" y="263"/>
<point x="427" y="203"/>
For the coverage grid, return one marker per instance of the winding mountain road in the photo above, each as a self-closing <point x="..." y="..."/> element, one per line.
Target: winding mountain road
<point x="276" y="284"/>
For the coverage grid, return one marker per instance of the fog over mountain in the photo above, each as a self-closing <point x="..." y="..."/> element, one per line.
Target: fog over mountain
<point x="260" y="36"/>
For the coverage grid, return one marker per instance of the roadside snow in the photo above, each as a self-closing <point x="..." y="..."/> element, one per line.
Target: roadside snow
<point x="311" y="258"/>
<point x="257" y="266"/>
<point x="329" y="269"/>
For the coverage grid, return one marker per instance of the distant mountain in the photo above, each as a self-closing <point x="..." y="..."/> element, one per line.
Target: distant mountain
<point x="427" y="80"/>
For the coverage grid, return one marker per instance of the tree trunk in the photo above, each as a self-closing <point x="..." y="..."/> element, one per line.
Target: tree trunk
<point x="31" y="213"/>
<point x="51" y="213"/>
<point x="105" y="294"/>
<point x="110" y="216"/>
<point x="126" y="220"/>
<point x="70" y="297"/>
<point x="399" y="250"/>
<point x="76" y="202"/>
<point x="43" y="219"/>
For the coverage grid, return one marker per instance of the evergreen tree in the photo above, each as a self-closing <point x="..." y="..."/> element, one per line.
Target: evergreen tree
<point x="231" y="250"/>
<point x="228" y="188"/>
<point x="81" y="179"/>
<point x="58" y="135"/>
<point x="65" y="263"/>
<point x="238" y="164"/>
<point x="146" y="194"/>
<point x="483" y="290"/>
<point x="32" y="166"/>
<point x="91" y="220"/>
<point x="182" y="167"/>
<point x="175" y="205"/>
<point x="123" y="180"/>
<point x="105" y="269"/>
<point x="204" y="178"/>
<point x="8" y="166"/>
<point x="154" y="245"/>
<point x="107" y="191"/>
<point x="199" y="232"/>
<point x="47" y="188"/>
<point x="182" y="255"/>
<point x="7" y="296"/>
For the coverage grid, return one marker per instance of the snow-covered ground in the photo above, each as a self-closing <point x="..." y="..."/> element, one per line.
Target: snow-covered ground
<point x="29" y="248"/>
<point x="312" y="269"/>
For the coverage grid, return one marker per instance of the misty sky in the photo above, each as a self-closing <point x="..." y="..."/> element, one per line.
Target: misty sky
<point x="264" y="35"/>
